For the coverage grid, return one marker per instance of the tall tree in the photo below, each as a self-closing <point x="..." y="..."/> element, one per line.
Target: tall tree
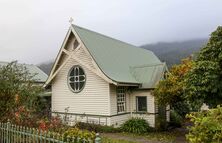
<point x="170" y="91"/>
<point x="204" y="81"/>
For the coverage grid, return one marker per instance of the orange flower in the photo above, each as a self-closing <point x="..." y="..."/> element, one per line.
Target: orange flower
<point x="16" y="114"/>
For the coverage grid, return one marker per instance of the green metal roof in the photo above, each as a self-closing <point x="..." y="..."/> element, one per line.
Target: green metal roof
<point x="117" y="59"/>
<point x="149" y="75"/>
<point x="40" y="76"/>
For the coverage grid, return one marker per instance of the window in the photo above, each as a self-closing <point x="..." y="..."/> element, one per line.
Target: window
<point x="75" y="44"/>
<point x="76" y="79"/>
<point x="141" y="104"/>
<point x="121" y="99"/>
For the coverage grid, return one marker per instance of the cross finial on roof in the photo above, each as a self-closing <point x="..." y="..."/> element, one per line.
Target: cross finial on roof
<point x="70" y="20"/>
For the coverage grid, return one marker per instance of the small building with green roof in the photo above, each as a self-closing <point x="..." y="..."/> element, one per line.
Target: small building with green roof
<point x="39" y="77"/>
<point x="102" y="80"/>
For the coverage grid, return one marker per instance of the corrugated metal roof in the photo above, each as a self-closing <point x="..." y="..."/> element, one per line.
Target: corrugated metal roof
<point x="40" y="76"/>
<point x="149" y="75"/>
<point x="116" y="58"/>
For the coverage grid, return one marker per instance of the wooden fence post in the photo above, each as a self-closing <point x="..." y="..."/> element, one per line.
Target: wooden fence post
<point x="7" y="133"/>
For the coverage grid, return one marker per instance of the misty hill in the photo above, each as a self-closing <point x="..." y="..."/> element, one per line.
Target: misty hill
<point x="46" y="67"/>
<point x="169" y="52"/>
<point x="173" y="52"/>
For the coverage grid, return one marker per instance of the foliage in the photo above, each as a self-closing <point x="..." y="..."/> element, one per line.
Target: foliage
<point x="207" y="126"/>
<point x="175" y="119"/>
<point x="18" y="95"/>
<point x="54" y="124"/>
<point x="75" y="132"/>
<point x="204" y="81"/>
<point x="170" y="91"/>
<point x="161" y="123"/>
<point x="97" y="128"/>
<point x="136" y="125"/>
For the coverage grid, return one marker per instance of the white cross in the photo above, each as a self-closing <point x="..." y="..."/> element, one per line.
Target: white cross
<point x="70" y="20"/>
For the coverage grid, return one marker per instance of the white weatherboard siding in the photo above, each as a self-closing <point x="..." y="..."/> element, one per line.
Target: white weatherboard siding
<point x="113" y="101"/>
<point x="116" y="119"/>
<point x="150" y="116"/>
<point x="93" y="99"/>
<point x="150" y="100"/>
<point x="131" y="103"/>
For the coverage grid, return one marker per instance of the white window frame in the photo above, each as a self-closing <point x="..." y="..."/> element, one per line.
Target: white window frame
<point x="77" y="79"/>
<point x="121" y="99"/>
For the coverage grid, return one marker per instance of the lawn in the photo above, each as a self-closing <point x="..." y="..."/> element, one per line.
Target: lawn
<point x="174" y="136"/>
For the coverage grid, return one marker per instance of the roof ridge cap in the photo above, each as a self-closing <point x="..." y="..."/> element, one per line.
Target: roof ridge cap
<point x="20" y="64"/>
<point x="148" y="65"/>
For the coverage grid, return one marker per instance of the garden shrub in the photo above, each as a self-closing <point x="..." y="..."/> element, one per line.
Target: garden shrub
<point x="19" y="95"/>
<point x="207" y="126"/>
<point x="161" y="124"/>
<point x="97" y="128"/>
<point x="136" y="125"/>
<point x="175" y="119"/>
<point x="53" y="124"/>
<point x="72" y="133"/>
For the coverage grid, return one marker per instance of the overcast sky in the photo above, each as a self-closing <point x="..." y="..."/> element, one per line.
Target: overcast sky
<point x="32" y="31"/>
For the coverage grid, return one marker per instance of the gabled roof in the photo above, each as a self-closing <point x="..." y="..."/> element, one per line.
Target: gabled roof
<point x="120" y="61"/>
<point x="40" y="76"/>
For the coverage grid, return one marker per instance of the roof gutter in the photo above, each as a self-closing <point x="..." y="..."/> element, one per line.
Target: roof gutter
<point x="129" y="84"/>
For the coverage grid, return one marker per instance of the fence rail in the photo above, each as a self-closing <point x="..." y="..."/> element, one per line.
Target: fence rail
<point x="10" y="133"/>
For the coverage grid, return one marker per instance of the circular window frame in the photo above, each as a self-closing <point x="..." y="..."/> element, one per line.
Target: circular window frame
<point x="68" y="79"/>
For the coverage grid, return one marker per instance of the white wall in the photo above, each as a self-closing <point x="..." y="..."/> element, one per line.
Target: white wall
<point x="93" y="99"/>
<point x="131" y="106"/>
<point x="151" y="108"/>
<point x="113" y="101"/>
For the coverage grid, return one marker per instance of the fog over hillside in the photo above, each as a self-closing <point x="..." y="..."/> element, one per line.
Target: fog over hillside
<point x="169" y="52"/>
<point x="173" y="52"/>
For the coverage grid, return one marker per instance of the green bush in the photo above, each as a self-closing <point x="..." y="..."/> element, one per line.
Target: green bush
<point x="75" y="132"/>
<point x="175" y="119"/>
<point x="207" y="126"/>
<point x="97" y="128"/>
<point x="161" y="124"/>
<point x="135" y="125"/>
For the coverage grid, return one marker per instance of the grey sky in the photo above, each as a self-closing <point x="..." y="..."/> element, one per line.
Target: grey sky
<point x="32" y="31"/>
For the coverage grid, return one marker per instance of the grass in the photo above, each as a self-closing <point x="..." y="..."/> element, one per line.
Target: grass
<point x="154" y="136"/>
<point x="111" y="140"/>
<point x="163" y="137"/>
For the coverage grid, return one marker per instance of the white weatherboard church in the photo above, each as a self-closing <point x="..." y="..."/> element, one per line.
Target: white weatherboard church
<point x="103" y="80"/>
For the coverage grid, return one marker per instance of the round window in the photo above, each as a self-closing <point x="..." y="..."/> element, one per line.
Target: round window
<point x="76" y="78"/>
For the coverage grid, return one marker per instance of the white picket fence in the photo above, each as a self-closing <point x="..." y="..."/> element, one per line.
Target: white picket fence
<point x="10" y="133"/>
